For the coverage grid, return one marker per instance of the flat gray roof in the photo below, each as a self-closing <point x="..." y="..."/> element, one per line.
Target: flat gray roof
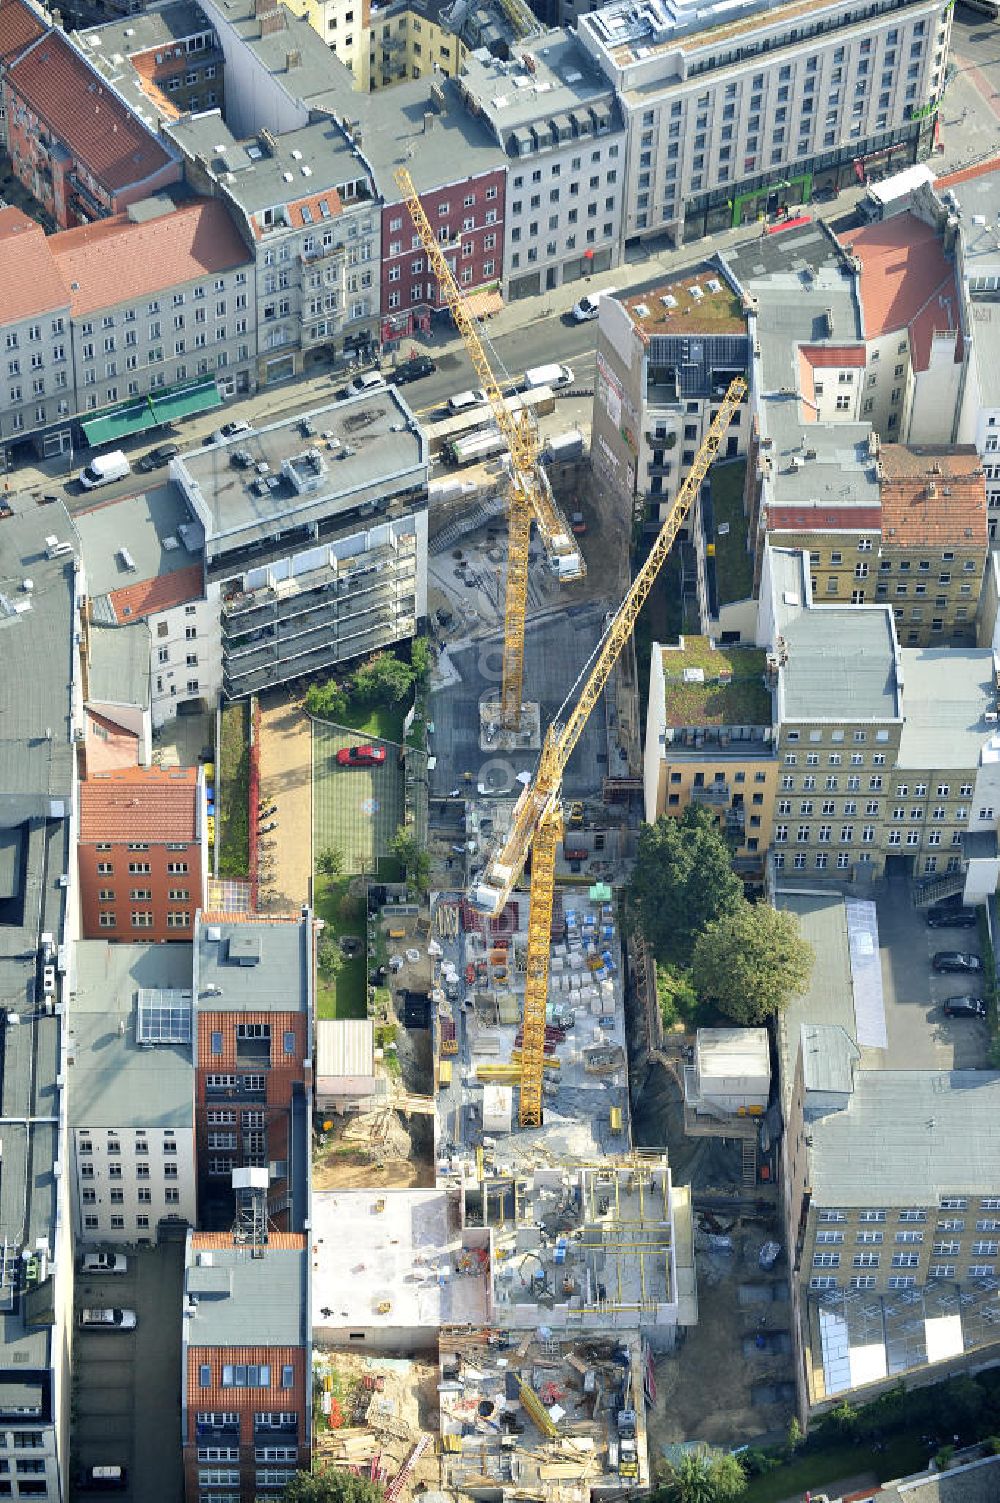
<point x="946" y="693"/>
<point x="829" y="999"/>
<point x="829" y="1056"/>
<point x="36" y="648"/>
<point x="257" y="177"/>
<point x="114" y="1080"/>
<point x="802" y="286"/>
<point x="908" y="1137"/>
<point x="262" y="966"/>
<point x="564" y="78"/>
<point x="365" y="449"/>
<point x="119" y="664"/>
<point x="157" y="529"/>
<point x="840" y="665"/>
<point x="144" y="29"/>
<point x="450" y="147"/>
<point x="247" y="1301"/>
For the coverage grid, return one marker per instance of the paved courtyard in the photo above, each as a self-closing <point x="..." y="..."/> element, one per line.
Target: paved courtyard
<point x="286" y="780"/>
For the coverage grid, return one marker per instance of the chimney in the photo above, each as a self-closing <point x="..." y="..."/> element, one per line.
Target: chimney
<point x="293" y="60"/>
<point x="428" y="121"/>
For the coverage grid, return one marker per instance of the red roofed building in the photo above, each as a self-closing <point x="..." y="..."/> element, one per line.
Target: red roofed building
<point x="73" y="141"/>
<point x="142" y="853"/>
<point x="910" y="308"/>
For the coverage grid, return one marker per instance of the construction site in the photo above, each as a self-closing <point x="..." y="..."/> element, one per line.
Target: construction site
<point x="549" y="1265"/>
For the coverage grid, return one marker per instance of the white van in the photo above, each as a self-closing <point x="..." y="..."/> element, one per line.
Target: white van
<point x="548" y="375"/>
<point x="104" y="468"/>
<point x="463" y="400"/>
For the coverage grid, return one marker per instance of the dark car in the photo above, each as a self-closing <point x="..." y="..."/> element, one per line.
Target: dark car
<point x="951" y="918"/>
<point x="958" y="962"/>
<point x="157" y="458"/>
<point x="414" y="369"/>
<point x="965" y="1007"/>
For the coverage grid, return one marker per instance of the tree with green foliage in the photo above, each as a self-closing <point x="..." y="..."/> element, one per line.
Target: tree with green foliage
<point x="681" y="882"/>
<point x="383" y="680"/>
<point x="331" y="1486"/>
<point x="329" y="957"/>
<point x="420" y="659"/>
<point x="751" y="961"/>
<point x="326" y="700"/>
<point x="703" y="1476"/>
<point x="330" y="861"/>
<point x="414" y="859"/>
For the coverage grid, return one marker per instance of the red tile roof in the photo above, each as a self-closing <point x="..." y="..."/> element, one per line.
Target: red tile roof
<point x="81" y="111"/>
<point x="115" y="259"/>
<point x="933" y="495"/>
<point x="19" y="26"/>
<point x="824" y="518"/>
<point x="832" y="356"/>
<point x="333" y="203"/>
<point x="29" y="278"/>
<point x="140" y="803"/>
<point x="906" y="283"/>
<point x="133" y="602"/>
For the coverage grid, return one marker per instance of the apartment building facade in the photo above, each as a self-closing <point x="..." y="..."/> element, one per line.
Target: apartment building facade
<point x="871" y="770"/>
<point x="246" y="1365"/>
<point x="558" y="121"/>
<point x="743" y="115"/>
<point x="711" y="740"/>
<point x="306" y="204"/>
<point x="664" y="359"/>
<point x="74" y="144"/>
<point x="36" y="391"/>
<point x="131" y="1093"/>
<point x="253" y="1048"/>
<point x="339" y="568"/>
<point x="143" y="853"/>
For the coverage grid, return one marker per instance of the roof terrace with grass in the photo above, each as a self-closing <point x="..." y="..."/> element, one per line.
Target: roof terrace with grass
<point x="715" y="697"/>
<point x="696" y="303"/>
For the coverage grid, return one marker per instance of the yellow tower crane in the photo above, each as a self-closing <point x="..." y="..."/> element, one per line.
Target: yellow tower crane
<point x="537" y="821"/>
<point x="530" y="493"/>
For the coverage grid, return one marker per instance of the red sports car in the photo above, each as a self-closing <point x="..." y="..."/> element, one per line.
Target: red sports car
<point x="361" y="756"/>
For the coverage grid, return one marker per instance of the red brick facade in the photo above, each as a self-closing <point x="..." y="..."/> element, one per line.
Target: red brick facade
<point x="468" y="217"/>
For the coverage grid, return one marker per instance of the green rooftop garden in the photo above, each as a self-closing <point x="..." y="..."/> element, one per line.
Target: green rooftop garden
<point x="731" y="692"/>
<point x="733" y="564"/>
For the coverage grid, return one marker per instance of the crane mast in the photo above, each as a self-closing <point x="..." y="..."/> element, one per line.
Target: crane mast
<point x="530" y="493"/>
<point x="537" y="821"/>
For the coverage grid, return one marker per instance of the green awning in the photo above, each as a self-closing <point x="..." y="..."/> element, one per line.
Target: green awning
<point x="151" y="411"/>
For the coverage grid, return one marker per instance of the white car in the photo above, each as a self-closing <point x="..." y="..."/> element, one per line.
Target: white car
<point x="104" y="1262"/>
<point x="365" y="381"/>
<point x="108" y="1320"/>
<point x="590" y="306"/>
<point x="237" y="429"/>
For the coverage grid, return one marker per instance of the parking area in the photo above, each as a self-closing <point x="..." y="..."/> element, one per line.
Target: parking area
<point x="286" y="784"/>
<point x="126" y="1384"/>
<point x="356" y="810"/>
<point x="920" y="1036"/>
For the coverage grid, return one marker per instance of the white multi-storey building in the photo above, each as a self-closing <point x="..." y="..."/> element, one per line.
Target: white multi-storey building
<point x="131" y="1092"/>
<point x="743" y="110"/>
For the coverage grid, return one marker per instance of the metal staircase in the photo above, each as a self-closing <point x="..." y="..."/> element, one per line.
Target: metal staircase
<point x="749" y="1162"/>
<point x="934" y="889"/>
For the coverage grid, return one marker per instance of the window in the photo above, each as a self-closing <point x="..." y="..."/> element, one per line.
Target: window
<point x="826" y="1260"/>
<point x="250" y="1375"/>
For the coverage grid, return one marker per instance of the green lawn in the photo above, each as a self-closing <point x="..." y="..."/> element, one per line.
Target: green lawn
<point x="813" y="1472"/>
<point x="343" y="912"/>
<point x="733" y="564"/>
<point x="355" y="809"/>
<point x="383" y="721"/>
<point x="233" y="772"/>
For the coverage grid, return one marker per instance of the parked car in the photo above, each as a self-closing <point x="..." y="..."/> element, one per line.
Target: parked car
<point x="235" y="429"/>
<point x="99" y="1479"/>
<point x="103" y="469"/>
<point x="361" y="756"/>
<point x="769" y="1254"/>
<point x="965" y="1007"/>
<point x="157" y="458"/>
<point x="951" y="918"/>
<point x="364" y="383"/>
<point x="414" y="369"/>
<point x="956" y="962"/>
<point x="108" y="1320"/>
<point x="104" y="1262"/>
<point x="463" y="400"/>
<point x="590" y="306"/>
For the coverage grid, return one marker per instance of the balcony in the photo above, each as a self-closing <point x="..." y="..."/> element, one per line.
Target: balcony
<point x="716" y="795"/>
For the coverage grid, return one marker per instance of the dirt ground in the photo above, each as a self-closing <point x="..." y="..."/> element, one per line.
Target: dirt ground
<point x="286" y="780"/>
<point x="375" y="1427"/>
<point x="387" y="1151"/>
